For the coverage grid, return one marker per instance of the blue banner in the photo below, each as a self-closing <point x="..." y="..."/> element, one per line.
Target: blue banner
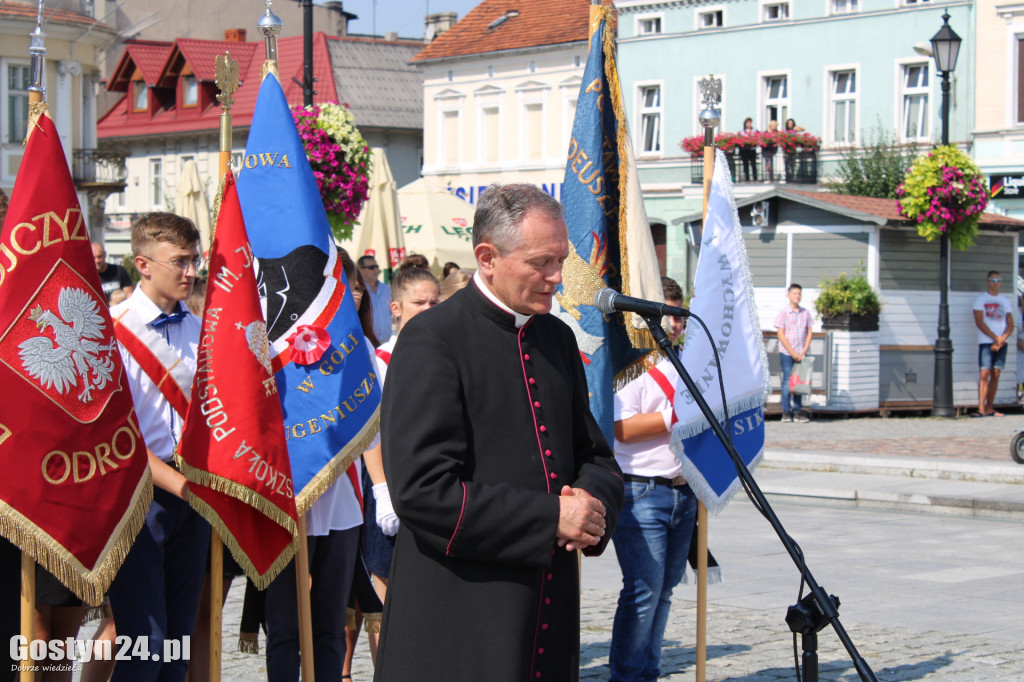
<point x="594" y="195"/>
<point x="324" y="366"/>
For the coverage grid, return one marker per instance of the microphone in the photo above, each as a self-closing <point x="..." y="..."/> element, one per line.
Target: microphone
<point x="608" y="301"/>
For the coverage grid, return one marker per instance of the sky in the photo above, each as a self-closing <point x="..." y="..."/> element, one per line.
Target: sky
<point x="402" y="16"/>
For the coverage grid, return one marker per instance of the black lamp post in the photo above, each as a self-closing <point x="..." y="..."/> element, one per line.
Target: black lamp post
<point x="945" y="49"/>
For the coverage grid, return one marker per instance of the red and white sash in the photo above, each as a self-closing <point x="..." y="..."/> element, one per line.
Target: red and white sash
<point x="157" y="359"/>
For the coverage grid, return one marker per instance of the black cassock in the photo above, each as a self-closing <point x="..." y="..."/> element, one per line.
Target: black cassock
<point x="482" y="425"/>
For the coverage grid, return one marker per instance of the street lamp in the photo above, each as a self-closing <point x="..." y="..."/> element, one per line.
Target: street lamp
<point x="945" y="49"/>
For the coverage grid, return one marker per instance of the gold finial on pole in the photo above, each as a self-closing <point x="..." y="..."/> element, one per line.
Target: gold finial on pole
<point x="269" y="25"/>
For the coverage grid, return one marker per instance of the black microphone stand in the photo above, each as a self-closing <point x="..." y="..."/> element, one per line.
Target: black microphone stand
<point x="816" y="610"/>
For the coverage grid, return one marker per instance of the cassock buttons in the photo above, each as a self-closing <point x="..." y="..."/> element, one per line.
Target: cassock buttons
<point x="536" y="403"/>
<point x="526" y="356"/>
<point x="547" y="600"/>
<point x="544" y="626"/>
<point x="532" y="381"/>
<point x="554" y="475"/>
<point x="547" y="453"/>
<point x="540" y="650"/>
<point x="543" y="429"/>
<point x="550" y="576"/>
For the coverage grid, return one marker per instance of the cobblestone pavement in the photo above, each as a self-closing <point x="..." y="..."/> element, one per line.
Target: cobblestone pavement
<point x="924" y="598"/>
<point x="963" y="437"/>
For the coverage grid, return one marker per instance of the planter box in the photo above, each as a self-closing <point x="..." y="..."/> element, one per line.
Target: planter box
<point x="851" y="323"/>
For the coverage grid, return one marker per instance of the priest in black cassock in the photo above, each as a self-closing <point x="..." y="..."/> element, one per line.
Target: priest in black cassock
<point x="495" y="465"/>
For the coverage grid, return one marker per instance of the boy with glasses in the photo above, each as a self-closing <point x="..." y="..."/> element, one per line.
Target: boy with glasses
<point x="156" y="592"/>
<point x="993" y="317"/>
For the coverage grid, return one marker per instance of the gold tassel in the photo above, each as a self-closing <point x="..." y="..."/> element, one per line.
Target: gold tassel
<point x="249" y="642"/>
<point x="88" y="585"/>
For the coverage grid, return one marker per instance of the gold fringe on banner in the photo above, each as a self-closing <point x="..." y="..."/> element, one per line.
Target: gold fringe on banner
<point x="640" y="338"/>
<point x="350" y="619"/>
<point x="371" y="622"/>
<point x="88" y="585"/>
<point x="319" y="484"/>
<point x="261" y="581"/>
<point x="237" y="491"/>
<point x="249" y="643"/>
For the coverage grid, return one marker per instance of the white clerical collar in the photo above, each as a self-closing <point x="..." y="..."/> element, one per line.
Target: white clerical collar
<point x="486" y="291"/>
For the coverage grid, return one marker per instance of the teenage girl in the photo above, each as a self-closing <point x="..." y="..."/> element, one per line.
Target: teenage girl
<point x="413" y="290"/>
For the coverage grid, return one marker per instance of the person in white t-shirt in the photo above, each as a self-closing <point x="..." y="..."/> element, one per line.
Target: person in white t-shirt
<point x="652" y="540"/>
<point x="994" y="318"/>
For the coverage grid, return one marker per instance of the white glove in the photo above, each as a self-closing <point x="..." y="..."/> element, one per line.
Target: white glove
<point x="386" y="517"/>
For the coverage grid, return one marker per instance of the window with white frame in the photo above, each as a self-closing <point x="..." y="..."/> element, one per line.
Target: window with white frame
<point x="156" y="179"/>
<point x="776" y="99"/>
<point x="490" y="130"/>
<point x="533" y="130"/>
<point x="449" y="137"/>
<point x="189" y="90"/>
<point x="713" y="18"/>
<point x="650" y="118"/>
<point x="914" y="102"/>
<point x="648" y="25"/>
<point x="843" y="108"/>
<point x="915" y="2"/>
<point x="845" y="6"/>
<point x="16" y="126"/>
<point x="775" y="11"/>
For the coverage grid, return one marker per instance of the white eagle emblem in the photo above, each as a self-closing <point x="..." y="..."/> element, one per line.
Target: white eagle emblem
<point x="79" y="352"/>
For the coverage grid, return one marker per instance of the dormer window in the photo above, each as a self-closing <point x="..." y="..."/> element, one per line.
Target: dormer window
<point x="140" y="95"/>
<point x="189" y="91"/>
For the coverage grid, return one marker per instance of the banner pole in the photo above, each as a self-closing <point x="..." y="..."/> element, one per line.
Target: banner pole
<point x="28" y="610"/>
<point x="305" y="616"/>
<point x="710" y="117"/>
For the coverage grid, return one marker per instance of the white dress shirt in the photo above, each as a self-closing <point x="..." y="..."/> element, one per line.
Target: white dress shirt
<point x="160" y="424"/>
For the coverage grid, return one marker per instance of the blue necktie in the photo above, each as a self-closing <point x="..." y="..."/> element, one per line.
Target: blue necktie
<point x="164" y="319"/>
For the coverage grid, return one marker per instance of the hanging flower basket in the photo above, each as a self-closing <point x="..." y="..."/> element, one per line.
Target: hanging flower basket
<point x="340" y="160"/>
<point x="944" y="193"/>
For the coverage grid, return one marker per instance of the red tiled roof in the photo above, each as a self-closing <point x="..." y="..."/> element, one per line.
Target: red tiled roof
<point x="16" y="10"/>
<point x="538" y="23"/>
<point x="887" y="209"/>
<point x="116" y="123"/>
<point x="200" y="55"/>
<point x="148" y="56"/>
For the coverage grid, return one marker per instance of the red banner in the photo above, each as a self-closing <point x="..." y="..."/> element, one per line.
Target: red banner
<point x="76" y="486"/>
<point x="233" y="448"/>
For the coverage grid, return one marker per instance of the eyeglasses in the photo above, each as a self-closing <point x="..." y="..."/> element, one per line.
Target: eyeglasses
<point x="371" y="267"/>
<point x="995" y="280"/>
<point x="181" y="265"/>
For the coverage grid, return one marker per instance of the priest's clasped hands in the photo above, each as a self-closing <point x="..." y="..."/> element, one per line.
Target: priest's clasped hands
<point x="580" y="519"/>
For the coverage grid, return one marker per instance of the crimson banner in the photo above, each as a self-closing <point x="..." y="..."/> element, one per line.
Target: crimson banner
<point x="233" y="449"/>
<point x="76" y="484"/>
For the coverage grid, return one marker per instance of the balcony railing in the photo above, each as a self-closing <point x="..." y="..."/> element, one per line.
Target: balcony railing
<point x="99" y="167"/>
<point x="754" y="165"/>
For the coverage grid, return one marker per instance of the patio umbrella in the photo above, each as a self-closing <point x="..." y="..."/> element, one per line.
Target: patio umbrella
<point x="190" y="201"/>
<point x="378" y="232"/>
<point x="437" y="224"/>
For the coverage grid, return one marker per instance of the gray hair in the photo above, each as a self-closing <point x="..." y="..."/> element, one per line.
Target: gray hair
<point x="501" y="209"/>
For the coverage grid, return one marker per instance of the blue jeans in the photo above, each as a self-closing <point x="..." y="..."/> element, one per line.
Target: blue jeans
<point x="798" y="400"/>
<point x="652" y="541"/>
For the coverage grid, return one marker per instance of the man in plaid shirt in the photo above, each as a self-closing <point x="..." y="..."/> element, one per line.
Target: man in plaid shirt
<point x="794" y="331"/>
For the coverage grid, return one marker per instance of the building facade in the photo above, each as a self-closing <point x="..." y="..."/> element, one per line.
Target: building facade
<point x="168" y="115"/>
<point x="73" y="44"/>
<point x="499" y="95"/>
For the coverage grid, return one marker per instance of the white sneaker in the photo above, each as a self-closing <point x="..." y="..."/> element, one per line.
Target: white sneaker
<point x="801" y="417"/>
